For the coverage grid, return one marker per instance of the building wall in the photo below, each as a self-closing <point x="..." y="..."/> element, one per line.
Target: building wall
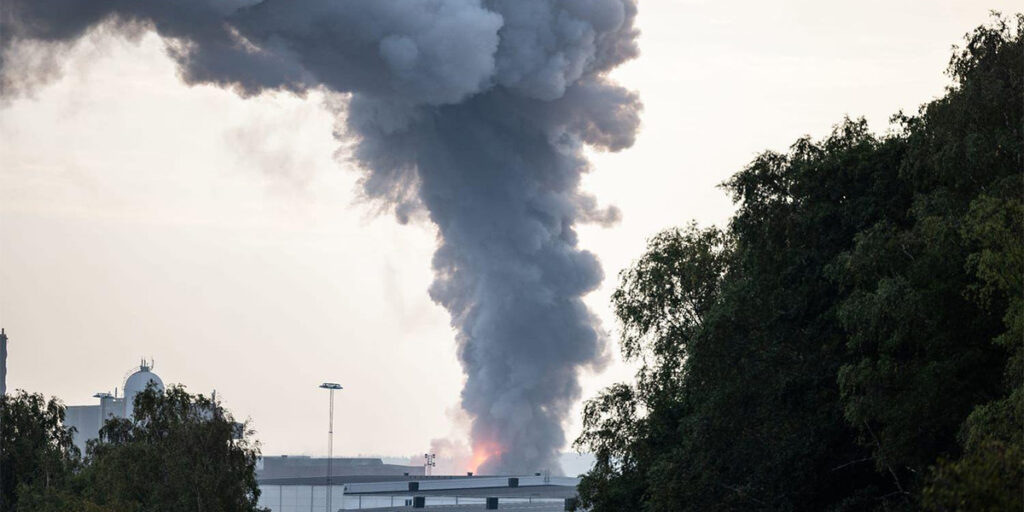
<point x="299" y="498"/>
<point x="86" y="421"/>
<point x="303" y="498"/>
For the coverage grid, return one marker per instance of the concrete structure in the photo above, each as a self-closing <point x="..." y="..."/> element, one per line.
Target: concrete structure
<point x="3" y="362"/>
<point x="88" y="419"/>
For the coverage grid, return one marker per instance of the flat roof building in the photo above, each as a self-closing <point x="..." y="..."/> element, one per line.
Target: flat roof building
<point x="300" y="466"/>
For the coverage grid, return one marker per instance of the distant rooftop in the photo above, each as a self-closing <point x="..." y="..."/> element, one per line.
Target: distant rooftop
<point x="303" y="466"/>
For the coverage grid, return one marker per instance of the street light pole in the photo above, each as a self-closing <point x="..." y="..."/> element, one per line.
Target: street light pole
<point x="330" y="386"/>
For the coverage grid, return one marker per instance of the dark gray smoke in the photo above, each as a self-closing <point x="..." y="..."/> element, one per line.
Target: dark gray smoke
<point x="474" y="111"/>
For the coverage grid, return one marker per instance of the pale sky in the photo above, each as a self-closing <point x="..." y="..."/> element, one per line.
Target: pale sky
<point x="224" y="238"/>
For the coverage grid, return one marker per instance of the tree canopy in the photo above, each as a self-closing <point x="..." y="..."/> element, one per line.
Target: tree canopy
<point x="853" y="338"/>
<point x="37" y="453"/>
<point x="177" y="452"/>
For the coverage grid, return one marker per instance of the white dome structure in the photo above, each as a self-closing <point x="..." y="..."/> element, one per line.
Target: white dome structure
<point x="136" y="383"/>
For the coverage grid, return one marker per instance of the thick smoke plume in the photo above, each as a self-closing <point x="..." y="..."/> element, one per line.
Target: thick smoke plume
<point x="474" y="111"/>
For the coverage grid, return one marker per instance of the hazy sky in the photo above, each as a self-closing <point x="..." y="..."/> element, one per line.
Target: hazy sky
<point x="224" y="237"/>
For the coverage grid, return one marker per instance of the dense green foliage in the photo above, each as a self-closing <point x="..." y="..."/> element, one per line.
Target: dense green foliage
<point x="178" y="452"/>
<point x="853" y="339"/>
<point x="37" y="452"/>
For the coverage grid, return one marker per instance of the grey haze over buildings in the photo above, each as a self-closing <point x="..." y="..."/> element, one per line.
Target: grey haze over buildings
<point x="136" y="220"/>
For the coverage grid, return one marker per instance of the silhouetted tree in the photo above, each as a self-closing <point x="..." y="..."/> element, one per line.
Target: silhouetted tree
<point x="178" y="452"/>
<point x="38" y="455"/>
<point x="853" y="340"/>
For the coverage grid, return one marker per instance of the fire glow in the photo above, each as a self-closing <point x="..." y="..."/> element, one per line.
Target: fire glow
<point x="482" y="451"/>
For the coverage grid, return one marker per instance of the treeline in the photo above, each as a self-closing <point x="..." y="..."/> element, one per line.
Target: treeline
<point x="179" y="452"/>
<point x="854" y="339"/>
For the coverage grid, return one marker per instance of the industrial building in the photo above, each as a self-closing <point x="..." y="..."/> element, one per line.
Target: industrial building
<point x="537" y="493"/>
<point x="300" y="483"/>
<point x="297" y="467"/>
<point x="88" y="419"/>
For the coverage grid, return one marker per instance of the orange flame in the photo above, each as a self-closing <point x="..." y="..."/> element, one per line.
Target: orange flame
<point x="482" y="451"/>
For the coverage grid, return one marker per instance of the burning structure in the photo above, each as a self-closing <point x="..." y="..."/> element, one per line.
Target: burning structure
<point x="473" y="114"/>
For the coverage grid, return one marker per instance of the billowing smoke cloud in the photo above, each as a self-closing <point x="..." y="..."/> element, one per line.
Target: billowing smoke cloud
<point x="453" y="457"/>
<point x="474" y="111"/>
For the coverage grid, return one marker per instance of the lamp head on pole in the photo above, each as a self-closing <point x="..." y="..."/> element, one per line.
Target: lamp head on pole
<point x="330" y="385"/>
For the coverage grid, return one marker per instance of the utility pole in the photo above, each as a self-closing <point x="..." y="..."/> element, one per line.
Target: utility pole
<point x="330" y="386"/>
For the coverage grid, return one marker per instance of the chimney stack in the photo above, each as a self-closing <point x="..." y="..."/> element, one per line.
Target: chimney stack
<point x="3" y="362"/>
